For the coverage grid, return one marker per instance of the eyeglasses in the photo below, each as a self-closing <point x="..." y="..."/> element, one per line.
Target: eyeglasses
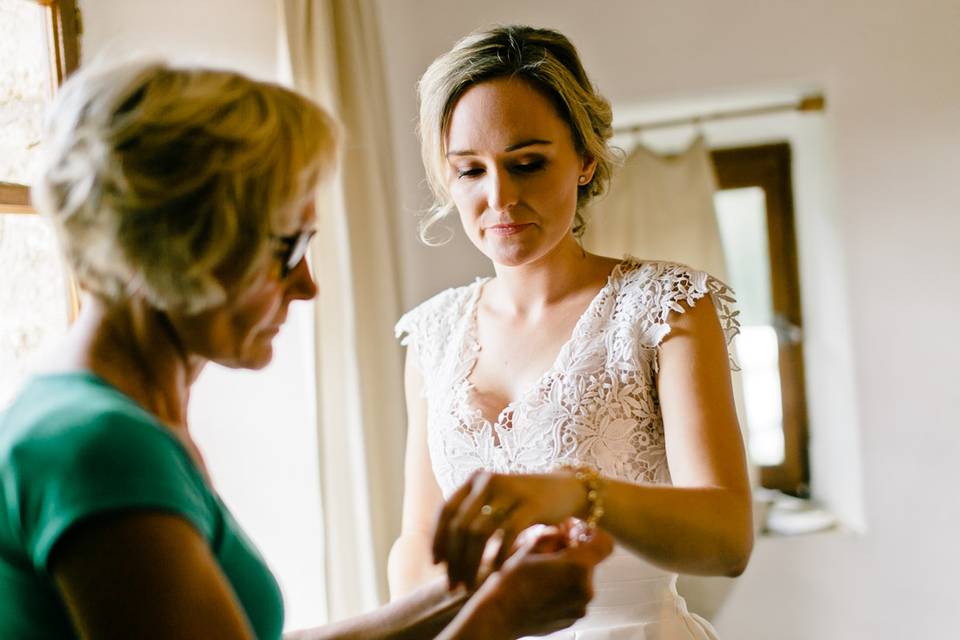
<point x="292" y="249"/>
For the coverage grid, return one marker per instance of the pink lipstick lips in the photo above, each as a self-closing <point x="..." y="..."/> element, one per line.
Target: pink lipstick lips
<point x="508" y="229"/>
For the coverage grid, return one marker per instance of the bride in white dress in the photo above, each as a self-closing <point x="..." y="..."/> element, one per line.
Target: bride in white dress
<point x="570" y="385"/>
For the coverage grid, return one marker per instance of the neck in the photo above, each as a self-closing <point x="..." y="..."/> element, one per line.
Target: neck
<point x="134" y="348"/>
<point x="528" y="288"/>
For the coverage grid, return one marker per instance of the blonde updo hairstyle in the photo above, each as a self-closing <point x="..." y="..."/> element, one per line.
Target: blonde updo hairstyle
<point x="549" y="62"/>
<point x="172" y="183"/>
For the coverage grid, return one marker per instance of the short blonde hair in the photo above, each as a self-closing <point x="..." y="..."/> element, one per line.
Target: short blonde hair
<point x="160" y="181"/>
<point x="549" y="62"/>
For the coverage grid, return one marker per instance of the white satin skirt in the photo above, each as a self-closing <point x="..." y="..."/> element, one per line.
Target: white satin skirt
<point x="637" y="601"/>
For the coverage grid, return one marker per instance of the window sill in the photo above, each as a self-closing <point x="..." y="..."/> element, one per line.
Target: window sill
<point x="780" y="515"/>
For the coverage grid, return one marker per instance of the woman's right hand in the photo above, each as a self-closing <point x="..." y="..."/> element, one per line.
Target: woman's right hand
<point x="543" y="587"/>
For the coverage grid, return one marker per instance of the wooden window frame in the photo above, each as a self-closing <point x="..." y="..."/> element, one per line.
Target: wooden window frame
<point x="64" y="27"/>
<point x="769" y="167"/>
<point x="63" y="34"/>
<point x="15" y="198"/>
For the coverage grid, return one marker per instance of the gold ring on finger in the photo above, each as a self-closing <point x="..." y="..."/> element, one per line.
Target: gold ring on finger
<point x="491" y="512"/>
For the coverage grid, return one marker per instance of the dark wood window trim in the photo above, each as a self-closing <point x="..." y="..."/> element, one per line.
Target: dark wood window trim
<point x="769" y="167"/>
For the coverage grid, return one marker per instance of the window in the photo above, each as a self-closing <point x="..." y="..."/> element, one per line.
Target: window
<point x="38" y="49"/>
<point x="754" y="205"/>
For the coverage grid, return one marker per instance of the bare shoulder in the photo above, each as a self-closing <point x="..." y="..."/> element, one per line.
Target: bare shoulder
<point x="604" y="264"/>
<point x="699" y="318"/>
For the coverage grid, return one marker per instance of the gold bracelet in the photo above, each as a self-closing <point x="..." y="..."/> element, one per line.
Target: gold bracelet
<point x="593" y="484"/>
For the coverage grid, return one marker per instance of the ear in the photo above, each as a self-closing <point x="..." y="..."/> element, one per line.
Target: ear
<point x="588" y="165"/>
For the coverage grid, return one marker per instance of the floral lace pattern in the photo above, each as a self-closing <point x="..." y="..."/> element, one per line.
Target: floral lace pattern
<point x="597" y="405"/>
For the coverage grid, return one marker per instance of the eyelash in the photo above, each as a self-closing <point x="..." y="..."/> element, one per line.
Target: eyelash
<point x="522" y="168"/>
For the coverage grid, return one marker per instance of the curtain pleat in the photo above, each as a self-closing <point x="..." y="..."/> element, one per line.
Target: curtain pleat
<point x="335" y="58"/>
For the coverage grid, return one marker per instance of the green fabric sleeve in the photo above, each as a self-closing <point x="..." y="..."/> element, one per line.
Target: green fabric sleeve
<point x="82" y="466"/>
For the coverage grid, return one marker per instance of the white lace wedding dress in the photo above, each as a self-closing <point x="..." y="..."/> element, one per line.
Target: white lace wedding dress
<point x="597" y="405"/>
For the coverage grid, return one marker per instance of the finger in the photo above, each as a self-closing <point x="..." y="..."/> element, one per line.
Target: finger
<point x="567" y="526"/>
<point x="512" y="527"/>
<point x="576" y="610"/>
<point x="476" y="536"/>
<point x="538" y="539"/>
<point x="549" y="541"/>
<point x="557" y="625"/>
<point x="462" y="530"/>
<point x="592" y="550"/>
<point x="475" y="543"/>
<point x="444" y="515"/>
<point x="476" y="540"/>
<point x="601" y="544"/>
<point x="575" y="607"/>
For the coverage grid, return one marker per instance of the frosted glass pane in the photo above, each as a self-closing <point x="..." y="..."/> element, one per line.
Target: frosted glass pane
<point x="25" y="86"/>
<point x="742" y="218"/>
<point x="33" y="296"/>
<point x="757" y="351"/>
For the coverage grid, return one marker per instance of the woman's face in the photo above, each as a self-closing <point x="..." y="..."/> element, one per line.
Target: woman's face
<point x="239" y="333"/>
<point x="513" y="170"/>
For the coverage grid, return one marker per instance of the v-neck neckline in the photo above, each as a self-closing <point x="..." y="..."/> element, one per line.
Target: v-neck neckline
<point x="472" y="346"/>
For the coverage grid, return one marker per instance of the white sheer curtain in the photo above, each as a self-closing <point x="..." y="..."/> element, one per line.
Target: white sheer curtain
<point x="335" y="59"/>
<point x="661" y="208"/>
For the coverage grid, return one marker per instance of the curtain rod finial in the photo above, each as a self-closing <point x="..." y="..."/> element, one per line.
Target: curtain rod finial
<point x="814" y="102"/>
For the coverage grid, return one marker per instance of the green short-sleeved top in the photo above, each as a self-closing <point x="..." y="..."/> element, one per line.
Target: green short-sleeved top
<point x="72" y="446"/>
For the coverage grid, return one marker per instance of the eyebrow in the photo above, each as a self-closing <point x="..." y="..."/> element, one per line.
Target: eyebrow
<point x="513" y="147"/>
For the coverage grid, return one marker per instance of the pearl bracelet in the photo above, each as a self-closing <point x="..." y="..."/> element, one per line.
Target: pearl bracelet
<point x="593" y="484"/>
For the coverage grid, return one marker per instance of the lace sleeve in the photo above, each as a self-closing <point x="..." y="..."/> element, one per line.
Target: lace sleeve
<point x="406" y="328"/>
<point x="426" y="322"/>
<point x="678" y="284"/>
<point x="428" y="327"/>
<point x="411" y="329"/>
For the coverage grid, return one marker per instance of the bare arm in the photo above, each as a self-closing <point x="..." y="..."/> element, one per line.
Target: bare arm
<point x="410" y="559"/>
<point x="700" y="525"/>
<point x="421" y="614"/>
<point x="151" y="575"/>
<point x="145" y="575"/>
<point x="703" y="523"/>
<point x="545" y="586"/>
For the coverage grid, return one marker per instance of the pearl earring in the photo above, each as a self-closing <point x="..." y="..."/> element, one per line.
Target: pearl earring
<point x="582" y="180"/>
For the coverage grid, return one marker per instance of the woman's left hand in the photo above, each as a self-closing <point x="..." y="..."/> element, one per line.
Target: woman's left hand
<point x="489" y="503"/>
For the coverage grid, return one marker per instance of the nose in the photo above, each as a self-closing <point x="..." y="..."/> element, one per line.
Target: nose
<point x="502" y="191"/>
<point x="301" y="285"/>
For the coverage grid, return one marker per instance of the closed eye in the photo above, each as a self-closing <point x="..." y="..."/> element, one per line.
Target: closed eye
<point x="469" y="173"/>
<point x="529" y="167"/>
<point x="521" y="167"/>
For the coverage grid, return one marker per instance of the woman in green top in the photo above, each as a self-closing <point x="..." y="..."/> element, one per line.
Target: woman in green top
<point x="183" y="200"/>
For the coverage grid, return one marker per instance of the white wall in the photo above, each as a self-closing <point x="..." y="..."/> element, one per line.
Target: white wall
<point x="220" y="33"/>
<point x="255" y="429"/>
<point x="889" y="70"/>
